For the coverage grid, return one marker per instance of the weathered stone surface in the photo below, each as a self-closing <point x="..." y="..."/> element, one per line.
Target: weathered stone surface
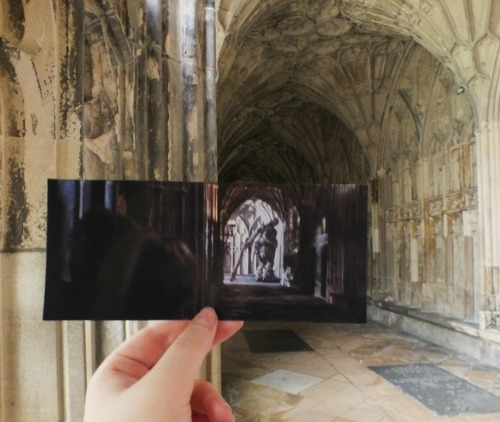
<point x="85" y="91"/>
<point x="29" y="346"/>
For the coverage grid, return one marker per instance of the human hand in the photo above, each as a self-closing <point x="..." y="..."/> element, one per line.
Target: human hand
<point x="153" y="375"/>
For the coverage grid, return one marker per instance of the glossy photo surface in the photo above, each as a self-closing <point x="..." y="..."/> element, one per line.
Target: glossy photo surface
<point x="161" y="250"/>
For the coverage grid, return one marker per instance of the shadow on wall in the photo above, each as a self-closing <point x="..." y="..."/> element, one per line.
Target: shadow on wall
<point x="119" y="271"/>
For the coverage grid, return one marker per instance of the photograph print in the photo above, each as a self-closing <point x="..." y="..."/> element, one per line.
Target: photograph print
<point x="129" y="250"/>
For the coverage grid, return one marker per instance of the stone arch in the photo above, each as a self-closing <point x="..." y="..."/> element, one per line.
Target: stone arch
<point x="432" y="25"/>
<point x="308" y="144"/>
<point x="426" y="179"/>
<point x="353" y="68"/>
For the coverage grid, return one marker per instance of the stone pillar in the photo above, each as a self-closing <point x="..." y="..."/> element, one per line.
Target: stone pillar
<point x="191" y="62"/>
<point x="192" y="126"/>
<point x="488" y="150"/>
<point x="169" y="105"/>
<point x="42" y="364"/>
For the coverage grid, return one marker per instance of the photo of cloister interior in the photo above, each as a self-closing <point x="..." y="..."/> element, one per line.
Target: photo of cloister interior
<point x="292" y="252"/>
<point x="130" y="250"/>
<point x="401" y="96"/>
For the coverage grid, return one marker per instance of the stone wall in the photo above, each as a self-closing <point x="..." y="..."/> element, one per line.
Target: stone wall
<point x="425" y="240"/>
<point x="39" y="139"/>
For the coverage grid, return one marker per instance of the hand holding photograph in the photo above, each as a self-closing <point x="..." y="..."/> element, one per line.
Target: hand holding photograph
<point x="163" y="250"/>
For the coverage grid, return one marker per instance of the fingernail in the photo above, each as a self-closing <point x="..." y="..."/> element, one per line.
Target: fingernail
<point x="206" y="317"/>
<point x="228" y="410"/>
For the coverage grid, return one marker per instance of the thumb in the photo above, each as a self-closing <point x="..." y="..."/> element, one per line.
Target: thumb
<point x="179" y="367"/>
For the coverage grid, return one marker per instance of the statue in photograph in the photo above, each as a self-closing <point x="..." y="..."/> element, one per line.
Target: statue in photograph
<point x="265" y="246"/>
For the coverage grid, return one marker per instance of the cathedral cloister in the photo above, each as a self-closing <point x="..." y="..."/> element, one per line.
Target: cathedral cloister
<point x="400" y="95"/>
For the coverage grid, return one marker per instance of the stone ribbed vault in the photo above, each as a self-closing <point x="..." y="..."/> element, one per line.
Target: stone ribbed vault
<point x="281" y="59"/>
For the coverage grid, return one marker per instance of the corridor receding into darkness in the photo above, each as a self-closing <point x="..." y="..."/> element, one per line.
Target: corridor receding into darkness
<point x="345" y="92"/>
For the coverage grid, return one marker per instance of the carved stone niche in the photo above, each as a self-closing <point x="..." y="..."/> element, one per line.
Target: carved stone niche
<point x="435" y="206"/>
<point x="416" y="209"/>
<point x="455" y="202"/>
<point x="405" y="212"/>
<point x="392" y="214"/>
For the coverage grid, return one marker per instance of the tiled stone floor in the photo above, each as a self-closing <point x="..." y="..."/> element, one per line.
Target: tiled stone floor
<point x="347" y="390"/>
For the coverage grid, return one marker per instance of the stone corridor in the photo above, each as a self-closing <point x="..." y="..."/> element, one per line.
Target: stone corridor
<point x="401" y="96"/>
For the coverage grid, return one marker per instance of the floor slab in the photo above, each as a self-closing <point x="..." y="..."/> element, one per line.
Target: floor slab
<point x="440" y="390"/>
<point x="288" y="381"/>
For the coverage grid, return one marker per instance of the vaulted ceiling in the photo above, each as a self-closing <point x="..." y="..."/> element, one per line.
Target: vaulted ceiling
<point x="305" y="87"/>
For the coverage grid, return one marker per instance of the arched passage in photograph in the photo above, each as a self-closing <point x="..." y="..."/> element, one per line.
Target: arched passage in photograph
<point x="282" y="247"/>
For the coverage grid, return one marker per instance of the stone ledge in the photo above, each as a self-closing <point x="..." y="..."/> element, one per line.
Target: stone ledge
<point x="459" y="336"/>
<point x="491" y="335"/>
<point x="430" y="317"/>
